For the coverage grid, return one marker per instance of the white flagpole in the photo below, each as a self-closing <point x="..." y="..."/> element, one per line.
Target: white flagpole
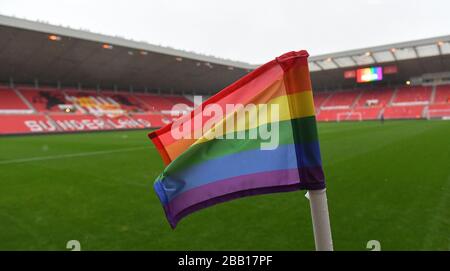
<point x="320" y="219"/>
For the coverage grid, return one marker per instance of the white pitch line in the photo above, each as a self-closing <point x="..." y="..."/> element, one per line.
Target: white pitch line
<point x="81" y="154"/>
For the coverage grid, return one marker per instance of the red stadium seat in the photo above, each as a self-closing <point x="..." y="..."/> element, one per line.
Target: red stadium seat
<point x="9" y="100"/>
<point x="155" y="120"/>
<point x="375" y="97"/>
<point x="404" y="112"/>
<point x="413" y="95"/>
<point x="369" y="113"/>
<point x="44" y="100"/>
<point x="163" y="103"/>
<point x="108" y="110"/>
<point x="333" y="114"/>
<point x="319" y="98"/>
<point x="344" y="99"/>
<point x="93" y="110"/>
<point x="442" y="94"/>
<point x="127" y="101"/>
<point x="439" y="111"/>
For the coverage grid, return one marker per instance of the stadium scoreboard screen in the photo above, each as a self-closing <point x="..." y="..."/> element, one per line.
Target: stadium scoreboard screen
<point x="369" y="74"/>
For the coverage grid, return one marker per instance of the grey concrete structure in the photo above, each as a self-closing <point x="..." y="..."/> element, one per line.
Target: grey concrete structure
<point x="412" y="59"/>
<point x="27" y="53"/>
<point x="32" y="52"/>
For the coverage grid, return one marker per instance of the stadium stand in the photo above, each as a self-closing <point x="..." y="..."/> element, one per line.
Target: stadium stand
<point x="404" y="112"/>
<point x="369" y="113"/>
<point x="379" y="97"/>
<point x="155" y="120"/>
<point x="89" y="122"/>
<point x="10" y="100"/>
<point x="410" y="102"/>
<point x="332" y="114"/>
<point x="341" y="99"/>
<point x="43" y="100"/>
<point x="411" y="86"/>
<point x="442" y="94"/>
<point x="29" y="109"/>
<point x="370" y="104"/>
<point x="127" y="102"/>
<point x="108" y="102"/>
<point x="438" y="111"/>
<point x="412" y="95"/>
<point x="320" y="98"/>
<point x="21" y="124"/>
<point x="159" y="103"/>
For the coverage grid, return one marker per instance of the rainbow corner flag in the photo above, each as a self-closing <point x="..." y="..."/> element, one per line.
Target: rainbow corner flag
<point x="256" y="136"/>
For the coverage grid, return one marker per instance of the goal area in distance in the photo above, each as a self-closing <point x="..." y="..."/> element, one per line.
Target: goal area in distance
<point x="438" y="114"/>
<point x="349" y="116"/>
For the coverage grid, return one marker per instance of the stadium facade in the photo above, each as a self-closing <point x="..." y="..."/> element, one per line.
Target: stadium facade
<point x="57" y="79"/>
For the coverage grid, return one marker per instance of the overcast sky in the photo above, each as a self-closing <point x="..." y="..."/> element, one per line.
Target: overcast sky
<point x="252" y="31"/>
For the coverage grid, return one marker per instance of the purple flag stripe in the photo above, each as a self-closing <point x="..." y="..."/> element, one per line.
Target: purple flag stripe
<point x="240" y="186"/>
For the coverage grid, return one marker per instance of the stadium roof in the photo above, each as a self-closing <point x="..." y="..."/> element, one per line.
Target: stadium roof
<point x="413" y="58"/>
<point x="34" y="50"/>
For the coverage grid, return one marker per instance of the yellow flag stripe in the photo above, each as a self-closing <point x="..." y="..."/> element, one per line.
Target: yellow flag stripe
<point x="297" y="105"/>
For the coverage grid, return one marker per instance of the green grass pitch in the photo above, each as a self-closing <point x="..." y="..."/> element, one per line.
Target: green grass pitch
<point x="388" y="182"/>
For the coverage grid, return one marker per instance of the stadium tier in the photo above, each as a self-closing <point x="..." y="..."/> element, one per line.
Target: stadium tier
<point x="37" y="110"/>
<point x="442" y="94"/>
<point x="344" y="99"/>
<point x="161" y="104"/>
<point x="11" y="102"/>
<point x="332" y="114"/>
<point x="27" y="109"/>
<point x="404" y="112"/>
<point x="43" y="100"/>
<point x="375" y="97"/>
<point x="370" y="113"/>
<point x="389" y="103"/>
<point x="381" y="82"/>
<point x="438" y="111"/>
<point x="21" y="124"/>
<point x="319" y="99"/>
<point x="412" y="96"/>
